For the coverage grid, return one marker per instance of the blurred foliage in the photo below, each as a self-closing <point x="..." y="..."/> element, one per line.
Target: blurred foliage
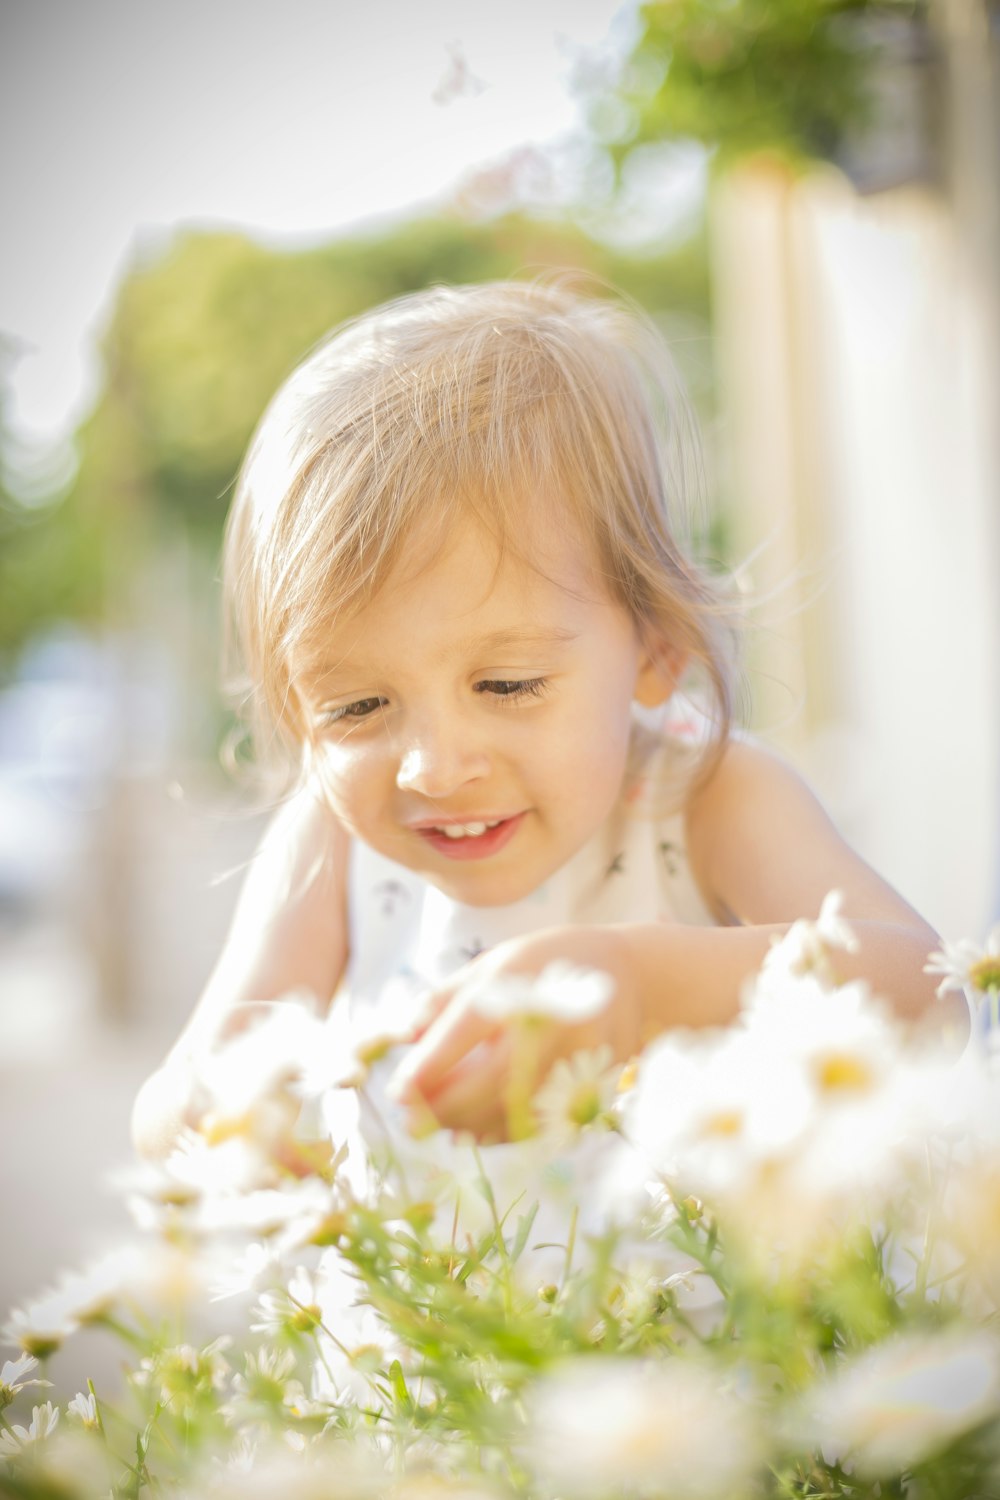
<point x="202" y="337"/>
<point x="749" y="75"/>
<point x="202" y="333"/>
<point x="50" y="552"/>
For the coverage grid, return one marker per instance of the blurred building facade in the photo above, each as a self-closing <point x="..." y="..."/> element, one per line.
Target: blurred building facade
<point x="858" y="327"/>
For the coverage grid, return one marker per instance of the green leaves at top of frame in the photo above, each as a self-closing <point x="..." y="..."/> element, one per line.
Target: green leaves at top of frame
<point x="745" y="75"/>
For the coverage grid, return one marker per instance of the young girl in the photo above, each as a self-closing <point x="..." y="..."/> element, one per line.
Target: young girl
<point x="460" y="601"/>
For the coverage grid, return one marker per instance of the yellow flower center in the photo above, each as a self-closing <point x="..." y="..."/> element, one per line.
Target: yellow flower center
<point x="726" y="1122"/>
<point x="265" y="1387"/>
<point x="985" y="975"/>
<point x="217" y="1127"/>
<point x="41" y="1345"/>
<point x="628" y="1077"/>
<point x="306" y="1317"/>
<point x="585" y="1106"/>
<point x="842" y="1072"/>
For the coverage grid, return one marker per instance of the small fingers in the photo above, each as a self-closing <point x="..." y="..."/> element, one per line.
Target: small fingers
<point x="473" y="1096"/>
<point x="432" y="1003"/>
<point x="450" y="1037"/>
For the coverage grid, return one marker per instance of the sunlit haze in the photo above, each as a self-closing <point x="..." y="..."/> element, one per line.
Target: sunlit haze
<point x="123" y="121"/>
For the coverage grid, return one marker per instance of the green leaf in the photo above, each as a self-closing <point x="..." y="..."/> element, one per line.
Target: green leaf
<point x="399" y="1388"/>
<point x="524" y="1223"/>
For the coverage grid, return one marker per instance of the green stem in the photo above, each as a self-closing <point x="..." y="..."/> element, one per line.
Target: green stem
<point x="325" y="1363"/>
<point x="570" y="1246"/>
<point x="501" y="1243"/>
<point x="318" y="1323"/>
<point x="128" y="1335"/>
<point x="520" y="1085"/>
<point x="97" y="1411"/>
<point x="380" y="1122"/>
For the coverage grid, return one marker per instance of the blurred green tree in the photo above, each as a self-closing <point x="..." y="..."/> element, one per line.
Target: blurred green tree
<point x="50" y="549"/>
<point x="202" y="336"/>
<point x="748" y="75"/>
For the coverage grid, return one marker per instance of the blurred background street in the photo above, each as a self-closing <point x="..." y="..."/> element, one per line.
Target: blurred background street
<point x="807" y="203"/>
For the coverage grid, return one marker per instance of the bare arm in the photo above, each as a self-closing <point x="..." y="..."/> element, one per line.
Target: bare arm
<point x="288" y="934"/>
<point x="765" y="853"/>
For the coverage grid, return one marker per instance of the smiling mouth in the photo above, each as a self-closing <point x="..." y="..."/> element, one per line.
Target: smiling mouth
<point x="465" y="830"/>
<point x="476" y="839"/>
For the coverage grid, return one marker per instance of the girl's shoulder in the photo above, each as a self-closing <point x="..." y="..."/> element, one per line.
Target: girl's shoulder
<point x="750" y="786"/>
<point x="762" y="846"/>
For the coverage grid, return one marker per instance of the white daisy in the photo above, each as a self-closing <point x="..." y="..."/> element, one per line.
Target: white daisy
<point x="807" y="948"/>
<point x="803" y="1022"/>
<point x="257" y="1265"/>
<point x="577" y="1093"/>
<point x="968" y="965"/>
<point x="353" y="1040"/>
<point x="901" y="1401"/>
<point x="44" y="1420"/>
<point x="603" y="1426"/>
<point x="709" y="1111"/>
<point x="266" y="1379"/>
<point x="293" y="1308"/>
<point x="153" y="1181"/>
<point x="243" y="1454"/>
<point x="268" y="1054"/>
<point x="11" y="1378"/>
<point x="176" y="1371"/>
<point x="84" y="1407"/>
<point x="869" y="1124"/>
<point x="263" y="1465"/>
<point x="41" y="1327"/>
<point x="358" y="1349"/>
<point x="229" y="1168"/>
<point x="88" y="1294"/>
<point x="843" y="1043"/>
<point x="561" y="992"/>
<point x="294" y="1212"/>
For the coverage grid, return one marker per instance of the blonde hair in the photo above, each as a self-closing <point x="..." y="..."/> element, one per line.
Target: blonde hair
<point x="459" y="398"/>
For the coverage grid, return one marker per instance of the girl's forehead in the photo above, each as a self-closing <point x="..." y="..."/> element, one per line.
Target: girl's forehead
<point x="476" y="592"/>
<point x="527" y="552"/>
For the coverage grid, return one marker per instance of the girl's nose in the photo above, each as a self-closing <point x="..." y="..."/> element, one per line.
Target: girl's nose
<point x="441" y="760"/>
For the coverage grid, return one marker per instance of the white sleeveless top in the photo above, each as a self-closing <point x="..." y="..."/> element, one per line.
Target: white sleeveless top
<point x="407" y="936"/>
<point x="634" y="869"/>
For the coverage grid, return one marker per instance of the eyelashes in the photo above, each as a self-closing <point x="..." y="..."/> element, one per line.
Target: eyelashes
<point x="363" y="708"/>
<point x="506" y="691"/>
<point x="502" y="690"/>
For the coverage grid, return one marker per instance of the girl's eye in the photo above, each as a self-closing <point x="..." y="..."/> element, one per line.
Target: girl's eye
<point x="504" y="690"/>
<point x="362" y="709"/>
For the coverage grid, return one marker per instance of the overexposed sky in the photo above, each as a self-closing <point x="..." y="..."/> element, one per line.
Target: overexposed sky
<point x="124" y="118"/>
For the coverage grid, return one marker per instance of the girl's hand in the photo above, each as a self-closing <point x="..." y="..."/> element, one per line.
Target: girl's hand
<point x="466" y="1070"/>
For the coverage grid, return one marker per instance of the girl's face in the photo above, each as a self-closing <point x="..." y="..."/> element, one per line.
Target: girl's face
<point x="472" y="723"/>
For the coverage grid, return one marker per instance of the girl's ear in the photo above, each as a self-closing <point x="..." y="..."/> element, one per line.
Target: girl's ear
<point x="660" y="670"/>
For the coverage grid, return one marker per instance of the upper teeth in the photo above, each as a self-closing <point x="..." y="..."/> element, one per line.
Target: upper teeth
<point x="467" y="830"/>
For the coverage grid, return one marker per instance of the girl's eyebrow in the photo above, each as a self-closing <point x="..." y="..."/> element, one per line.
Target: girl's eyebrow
<point x="526" y="635"/>
<point x="497" y="640"/>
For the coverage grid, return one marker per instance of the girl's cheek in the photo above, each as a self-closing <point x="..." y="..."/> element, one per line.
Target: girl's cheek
<point x="347" y="772"/>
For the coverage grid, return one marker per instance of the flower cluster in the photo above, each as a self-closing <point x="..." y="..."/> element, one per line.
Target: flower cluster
<point x="758" y="1262"/>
